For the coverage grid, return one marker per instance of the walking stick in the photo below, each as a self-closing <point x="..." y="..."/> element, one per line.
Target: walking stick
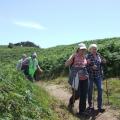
<point x="74" y="92"/>
<point x="93" y="99"/>
<point x="107" y="92"/>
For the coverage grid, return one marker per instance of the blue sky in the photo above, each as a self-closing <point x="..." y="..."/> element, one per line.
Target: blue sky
<point x="57" y="22"/>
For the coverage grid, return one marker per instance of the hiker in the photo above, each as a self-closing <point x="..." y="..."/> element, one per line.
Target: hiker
<point x="19" y="64"/>
<point x="33" y="66"/>
<point x="25" y="67"/>
<point x="78" y="78"/>
<point x="95" y="71"/>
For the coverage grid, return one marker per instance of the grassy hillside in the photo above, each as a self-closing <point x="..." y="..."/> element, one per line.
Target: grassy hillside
<point x="52" y="59"/>
<point x="21" y="99"/>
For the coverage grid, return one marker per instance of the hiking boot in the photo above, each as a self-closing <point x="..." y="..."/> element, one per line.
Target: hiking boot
<point x="90" y="109"/>
<point x="84" y="114"/>
<point x="101" y="110"/>
<point x="70" y="107"/>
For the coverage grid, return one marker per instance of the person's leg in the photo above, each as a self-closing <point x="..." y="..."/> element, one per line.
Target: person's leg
<point x="98" y="82"/>
<point x="29" y="77"/>
<point x="83" y="95"/>
<point x="35" y="75"/>
<point x="90" y="90"/>
<point x="75" y="96"/>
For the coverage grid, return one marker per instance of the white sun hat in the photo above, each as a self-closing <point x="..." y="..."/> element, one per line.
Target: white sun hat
<point x="82" y="46"/>
<point x="92" y="46"/>
<point x="24" y="55"/>
<point x="34" y="54"/>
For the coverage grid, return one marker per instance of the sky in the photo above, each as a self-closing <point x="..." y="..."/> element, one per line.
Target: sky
<point x="49" y="23"/>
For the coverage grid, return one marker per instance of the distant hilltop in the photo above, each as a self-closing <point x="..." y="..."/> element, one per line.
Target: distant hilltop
<point x="23" y="44"/>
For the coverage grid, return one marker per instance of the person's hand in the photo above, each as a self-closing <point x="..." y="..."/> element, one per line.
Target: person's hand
<point x="88" y="61"/>
<point x="41" y="70"/>
<point x="73" y="55"/>
<point x="94" y="67"/>
<point x="83" y="77"/>
<point x="104" y="61"/>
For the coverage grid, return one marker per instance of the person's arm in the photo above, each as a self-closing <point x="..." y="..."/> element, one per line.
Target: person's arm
<point x="39" y="68"/>
<point x="90" y="63"/>
<point x="88" y="60"/>
<point x="70" y="60"/>
<point x="103" y="60"/>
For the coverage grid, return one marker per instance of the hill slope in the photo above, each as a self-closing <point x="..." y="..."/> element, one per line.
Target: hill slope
<point x="21" y="99"/>
<point x="52" y="59"/>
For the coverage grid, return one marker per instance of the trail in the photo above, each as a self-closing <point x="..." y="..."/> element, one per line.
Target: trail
<point x="59" y="92"/>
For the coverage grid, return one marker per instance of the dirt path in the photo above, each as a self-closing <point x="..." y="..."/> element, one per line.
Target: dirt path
<point x="60" y="93"/>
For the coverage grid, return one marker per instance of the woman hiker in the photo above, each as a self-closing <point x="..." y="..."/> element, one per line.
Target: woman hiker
<point x="78" y="78"/>
<point x="19" y="63"/>
<point x="95" y="76"/>
<point x="33" y="66"/>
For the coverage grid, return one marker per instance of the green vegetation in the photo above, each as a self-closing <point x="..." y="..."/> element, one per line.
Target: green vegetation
<point x="21" y="99"/>
<point x="23" y="44"/>
<point x="52" y="59"/>
<point x="113" y="91"/>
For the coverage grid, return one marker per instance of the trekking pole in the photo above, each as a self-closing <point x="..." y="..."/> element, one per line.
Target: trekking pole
<point x="93" y="99"/>
<point x="107" y="92"/>
<point x="74" y="92"/>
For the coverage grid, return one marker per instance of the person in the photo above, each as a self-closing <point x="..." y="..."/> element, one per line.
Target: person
<point x="95" y="71"/>
<point x="78" y="78"/>
<point x="19" y="63"/>
<point x="32" y="66"/>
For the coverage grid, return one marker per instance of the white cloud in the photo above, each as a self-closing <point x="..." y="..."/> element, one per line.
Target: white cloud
<point x="29" y="25"/>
